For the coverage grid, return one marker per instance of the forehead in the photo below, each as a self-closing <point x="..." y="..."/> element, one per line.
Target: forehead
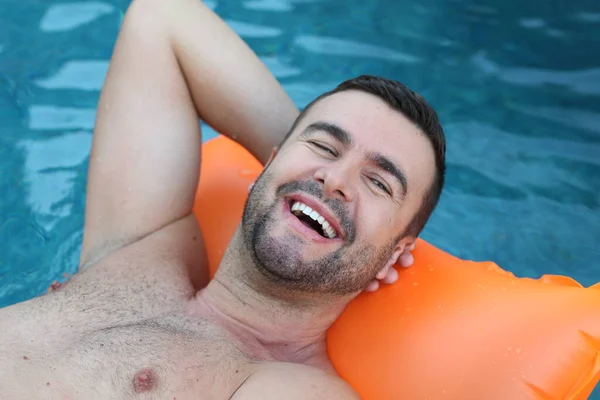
<point x="377" y="128"/>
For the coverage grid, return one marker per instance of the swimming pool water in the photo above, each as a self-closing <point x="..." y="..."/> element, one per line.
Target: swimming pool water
<point x="516" y="84"/>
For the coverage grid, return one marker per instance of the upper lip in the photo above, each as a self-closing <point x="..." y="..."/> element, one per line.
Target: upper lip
<point x="323" y="210"/>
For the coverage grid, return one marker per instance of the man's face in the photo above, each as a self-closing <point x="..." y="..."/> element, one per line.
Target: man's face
<point x="364" y="169"/>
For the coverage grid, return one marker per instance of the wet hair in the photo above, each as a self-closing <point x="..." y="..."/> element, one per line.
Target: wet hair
<point x="417" y="110"/>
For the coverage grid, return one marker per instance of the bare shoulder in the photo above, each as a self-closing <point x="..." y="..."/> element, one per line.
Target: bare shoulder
<point x="293" y="382"/>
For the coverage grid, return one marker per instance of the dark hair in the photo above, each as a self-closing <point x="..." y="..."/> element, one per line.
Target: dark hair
<point x="416" y="109"/>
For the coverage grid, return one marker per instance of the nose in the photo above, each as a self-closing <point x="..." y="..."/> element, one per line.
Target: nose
<point x="338" y="180"/>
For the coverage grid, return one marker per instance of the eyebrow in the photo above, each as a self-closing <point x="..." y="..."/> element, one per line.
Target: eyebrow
<point x="344" y="137"/>
<point x="337" y="132"/>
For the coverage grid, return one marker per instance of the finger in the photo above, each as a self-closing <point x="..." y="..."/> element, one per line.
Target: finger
<point x="391" y="277"/>
<point x="406" y="259"/>
<point x="412" y="246"/>
<point x="382" y="274"/>
<point x="373" y="286"/>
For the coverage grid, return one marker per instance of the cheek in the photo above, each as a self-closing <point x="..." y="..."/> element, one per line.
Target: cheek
<point x="383" y="222"/>
<point x="290" y="166"/>
<point x="377" y="227"/>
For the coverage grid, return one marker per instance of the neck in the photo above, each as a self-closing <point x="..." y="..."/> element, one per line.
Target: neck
<point x="290" y="326"/>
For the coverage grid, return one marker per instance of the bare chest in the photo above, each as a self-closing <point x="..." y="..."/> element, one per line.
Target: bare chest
<point x="160" y="358"/>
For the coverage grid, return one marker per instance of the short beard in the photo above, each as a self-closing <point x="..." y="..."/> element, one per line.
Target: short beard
<point x="346" y="271"/>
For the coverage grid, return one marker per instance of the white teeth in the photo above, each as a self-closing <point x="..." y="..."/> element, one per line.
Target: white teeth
<point x="330" y="232"/>
<point x="299" y="207"/>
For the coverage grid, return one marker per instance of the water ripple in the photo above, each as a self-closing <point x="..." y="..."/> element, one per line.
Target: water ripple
<point x="279" y="68"/>
<point x="245" y="29"/>
<point x="532" y="23"/>
<point x="269" y="5"/>
<point x="82" y="75"/>
<point x="585" y="81"/>
<point x="342" y="47"/>
<point x="67" y="16"/>
<point x="525" y="163"/>
<point x="588" y="17"/>
<point x="53" y="117"/>
<point x="50" y="175"/>
<point x="583" y="119"/>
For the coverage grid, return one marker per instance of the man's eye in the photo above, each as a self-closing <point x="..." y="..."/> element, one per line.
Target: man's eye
<point x="324" y="148"/>
<point x="380" y="185"/>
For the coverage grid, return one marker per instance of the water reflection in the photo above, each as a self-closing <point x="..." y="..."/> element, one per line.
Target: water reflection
<point x="67" y="16"/>
<point x="570" y="118"/>
<point x="586" y="81"/>
<point x="518" y="160"/>
<point x="588" y="17"/>
<point x="532" y="23"/>
<point x="82" y="75"/>
<point x="49" y="173"/>
<point x="343" y="47"/>
<point x="269" y="5"/>
<point x="53" y="117"/>
<point x="248" y="30"/>
<point x="279" y="68"/>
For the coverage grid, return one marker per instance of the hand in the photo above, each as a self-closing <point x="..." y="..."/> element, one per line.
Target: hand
<point x="390" y="275"/>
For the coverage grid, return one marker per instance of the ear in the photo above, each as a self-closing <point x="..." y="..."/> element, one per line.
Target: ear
<point x="403" y="245"/>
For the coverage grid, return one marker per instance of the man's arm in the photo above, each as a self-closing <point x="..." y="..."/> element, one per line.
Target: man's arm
<point x="174" y="61"/>
<point x="294" y="382"/>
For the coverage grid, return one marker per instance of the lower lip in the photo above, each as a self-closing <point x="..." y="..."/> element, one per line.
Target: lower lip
<point x="303" y="229"/>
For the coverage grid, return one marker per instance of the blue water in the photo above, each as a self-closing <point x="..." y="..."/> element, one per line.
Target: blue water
<point x="516" y="84"/>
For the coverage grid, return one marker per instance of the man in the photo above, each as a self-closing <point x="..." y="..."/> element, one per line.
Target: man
<point x="342" y="199"/>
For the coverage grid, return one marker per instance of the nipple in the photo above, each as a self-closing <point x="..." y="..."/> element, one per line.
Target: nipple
<point x="144" y="380"/>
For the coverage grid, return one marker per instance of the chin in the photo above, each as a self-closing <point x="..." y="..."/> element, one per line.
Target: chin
<point x="281" y="262"/>
<point x="279" y="258"/>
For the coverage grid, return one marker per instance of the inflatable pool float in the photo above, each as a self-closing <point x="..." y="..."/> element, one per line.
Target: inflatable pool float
<point x="449" y="328"/>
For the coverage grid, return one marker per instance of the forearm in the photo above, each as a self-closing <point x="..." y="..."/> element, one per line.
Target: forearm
<point x="232" y="89"/>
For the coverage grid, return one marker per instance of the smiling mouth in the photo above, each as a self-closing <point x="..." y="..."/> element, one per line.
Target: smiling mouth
<point x="312" y="219"/>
